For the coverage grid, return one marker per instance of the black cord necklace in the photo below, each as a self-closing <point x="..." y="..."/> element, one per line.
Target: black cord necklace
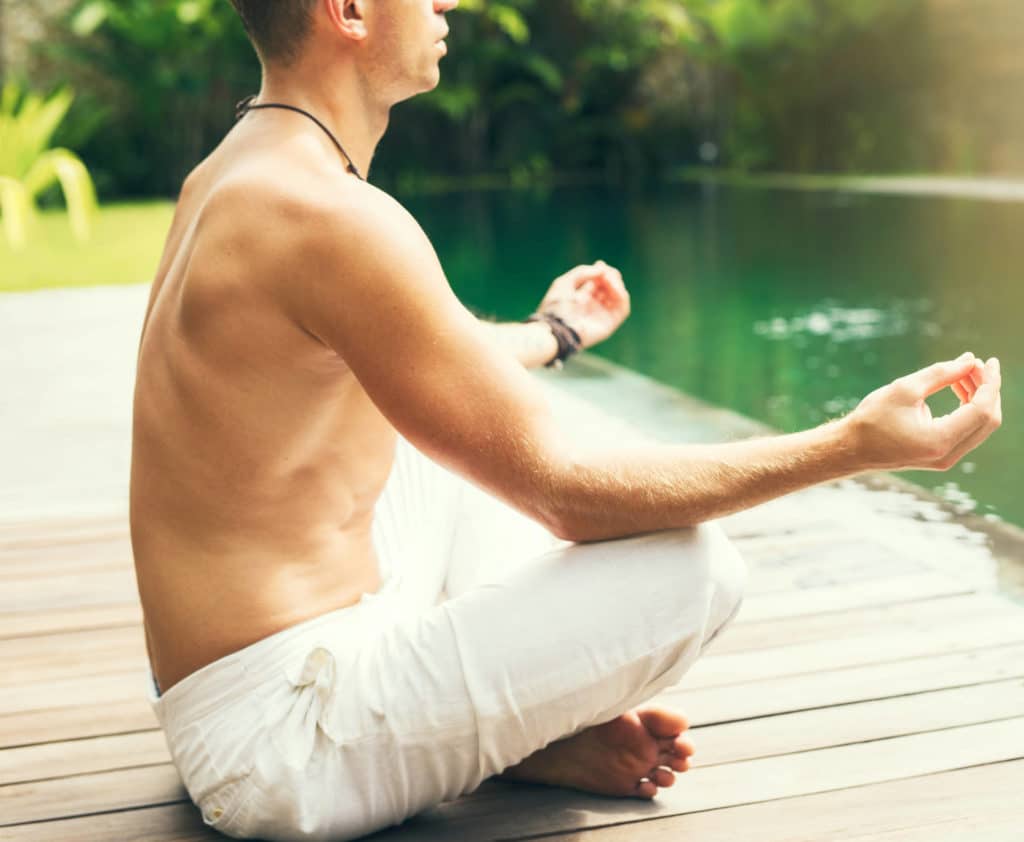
<point x="247" y="105"/>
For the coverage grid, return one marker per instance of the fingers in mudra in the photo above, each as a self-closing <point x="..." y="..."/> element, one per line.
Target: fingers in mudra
<point x="978" y="416"/>
<point x="897" y="430"/>
<point x="981" y="416"/>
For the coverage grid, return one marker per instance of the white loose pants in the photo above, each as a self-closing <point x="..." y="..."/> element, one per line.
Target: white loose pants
<point x="489" y="639"/>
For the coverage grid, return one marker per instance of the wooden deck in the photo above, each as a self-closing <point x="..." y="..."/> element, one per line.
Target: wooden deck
<point x="861" y="694"/>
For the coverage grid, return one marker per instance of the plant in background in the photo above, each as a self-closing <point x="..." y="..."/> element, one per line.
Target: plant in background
<point x="807" y="85"/>
<point x="157" y="83"/>
<point x="535" y="86"/>
<point x="28" y="167"/>
<point x="627" y="88"/>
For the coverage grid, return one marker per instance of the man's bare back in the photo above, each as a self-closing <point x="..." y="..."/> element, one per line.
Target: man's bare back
<point x="257" y="456"/>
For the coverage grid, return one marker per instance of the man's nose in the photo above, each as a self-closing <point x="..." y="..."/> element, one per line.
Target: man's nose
<point x="442" y="6"/>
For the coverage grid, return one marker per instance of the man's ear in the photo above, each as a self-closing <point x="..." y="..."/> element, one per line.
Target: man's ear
<point x="348" y="17"/>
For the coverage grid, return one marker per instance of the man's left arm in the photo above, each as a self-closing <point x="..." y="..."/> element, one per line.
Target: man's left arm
<point x="592" y="299"/>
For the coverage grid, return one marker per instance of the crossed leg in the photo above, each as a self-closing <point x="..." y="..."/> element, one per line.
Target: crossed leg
<point x="493" y="648"/>
<point x="560" y="642"/>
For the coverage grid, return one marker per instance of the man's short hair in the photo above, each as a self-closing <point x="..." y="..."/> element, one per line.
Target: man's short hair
<point x="276" y="29"/>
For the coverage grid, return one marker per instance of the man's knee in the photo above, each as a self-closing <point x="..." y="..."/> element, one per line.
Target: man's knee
<point x="701" y="580"/>
<point x="727" y="574"/>
<point x="713" y="569"/>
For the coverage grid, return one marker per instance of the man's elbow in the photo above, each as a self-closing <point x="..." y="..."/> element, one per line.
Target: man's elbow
<point x="568" y="523"/>
<point x="581" y="528"/>
<point x="563" y="529"/>
<point x="572" y="526"/>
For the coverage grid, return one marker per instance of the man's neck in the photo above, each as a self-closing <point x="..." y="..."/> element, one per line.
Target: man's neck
<point x="340" y="103"/>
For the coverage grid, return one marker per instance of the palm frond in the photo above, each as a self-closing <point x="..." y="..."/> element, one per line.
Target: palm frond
<point x="27" y="124"/>
<point x="17" y="211"/>
<point x="65" y="166"/>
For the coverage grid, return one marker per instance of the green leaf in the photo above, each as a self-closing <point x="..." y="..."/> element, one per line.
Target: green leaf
<point x="16" y="211"/>
<point x="510" y="22"/>
<point x="27" y="124"/>
<point x="88" y="19"/>
<point x="190" y="11"/>
<point x="545" y="70"/>
<point x="65" y="166"/>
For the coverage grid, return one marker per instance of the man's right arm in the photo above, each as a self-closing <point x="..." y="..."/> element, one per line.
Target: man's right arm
<point x="373" y="290"/>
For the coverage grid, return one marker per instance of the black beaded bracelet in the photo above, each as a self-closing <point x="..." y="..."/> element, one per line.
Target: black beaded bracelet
<point x="569" y="341"/>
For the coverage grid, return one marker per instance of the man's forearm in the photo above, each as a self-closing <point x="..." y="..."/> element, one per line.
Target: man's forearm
<point x="533" y="343"/>
<point x="612" y="493"/>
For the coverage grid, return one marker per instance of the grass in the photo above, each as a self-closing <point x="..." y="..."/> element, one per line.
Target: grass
<point x="124" y="249"/>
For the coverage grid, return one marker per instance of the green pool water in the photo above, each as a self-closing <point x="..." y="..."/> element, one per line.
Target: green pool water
<point x="786" y="306"/>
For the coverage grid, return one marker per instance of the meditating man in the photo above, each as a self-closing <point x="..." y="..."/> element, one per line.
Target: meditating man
<point x="375" y="571"/>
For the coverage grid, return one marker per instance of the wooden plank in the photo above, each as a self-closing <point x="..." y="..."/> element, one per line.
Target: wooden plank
<point x="855" y="650"/>
<point x="61" y="694"/>
<point x="873" y="592"/>
<point x="179" y="822"/>
<point x="827" y="569"/>
<point x="43" y="570"/>
<point x="819" y="689"/>
<point x="69" y="723"/>
<point x="977" y="828"/>
<point x="819" y="548"/>
<point x="83" y="794"/>
<point x="979" y="804"/>
<point x="30" y="623"/>
<point x="82" y="756"/>
<point x="894" y="619"/>
<point x="853" y="765"/>
<point x="61" y="558"/>
<point x="792" y="516"/>
<point x="858" y="722"/>
<point x="72" y="591"/>
<point x="498" y="811"/>
<point x="32" y="534"/>
<point x="92" y="652"/>
<point x="785" y="541"/>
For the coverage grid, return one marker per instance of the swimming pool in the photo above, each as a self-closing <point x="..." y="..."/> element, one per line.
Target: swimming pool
<point x="786" y="306"/>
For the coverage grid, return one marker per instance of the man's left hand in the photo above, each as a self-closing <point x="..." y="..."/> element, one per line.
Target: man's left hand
<point x="591" y="299"/>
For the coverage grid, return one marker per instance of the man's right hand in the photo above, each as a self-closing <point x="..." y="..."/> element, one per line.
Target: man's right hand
<point x="893" y="428"/>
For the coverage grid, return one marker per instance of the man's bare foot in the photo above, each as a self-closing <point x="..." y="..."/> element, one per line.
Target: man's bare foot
<point x="631" y="755"/>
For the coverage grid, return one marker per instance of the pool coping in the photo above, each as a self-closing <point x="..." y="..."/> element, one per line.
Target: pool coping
<point x="655" y="407"/>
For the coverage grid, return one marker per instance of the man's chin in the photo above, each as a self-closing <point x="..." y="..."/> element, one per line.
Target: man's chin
<point x="433" y="78"/>
<point x="427" y="85"/>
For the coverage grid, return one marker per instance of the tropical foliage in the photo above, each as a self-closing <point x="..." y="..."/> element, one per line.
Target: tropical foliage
<point x="631" y="86"/>
<point x="28" y="167"/>
<point x="157" y="81"/>
<point x="620" y="87"/>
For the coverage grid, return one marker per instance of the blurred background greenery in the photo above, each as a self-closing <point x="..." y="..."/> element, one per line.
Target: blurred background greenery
<point x="598" y="89"/>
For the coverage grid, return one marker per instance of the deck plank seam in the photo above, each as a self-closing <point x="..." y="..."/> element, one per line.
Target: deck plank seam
<point x="95" y="813"/>
<point x="859" y="665"/>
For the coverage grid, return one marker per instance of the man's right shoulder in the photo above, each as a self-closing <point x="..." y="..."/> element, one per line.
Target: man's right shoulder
<point x="322" y="254"/>
<point x="288" y="220"/>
